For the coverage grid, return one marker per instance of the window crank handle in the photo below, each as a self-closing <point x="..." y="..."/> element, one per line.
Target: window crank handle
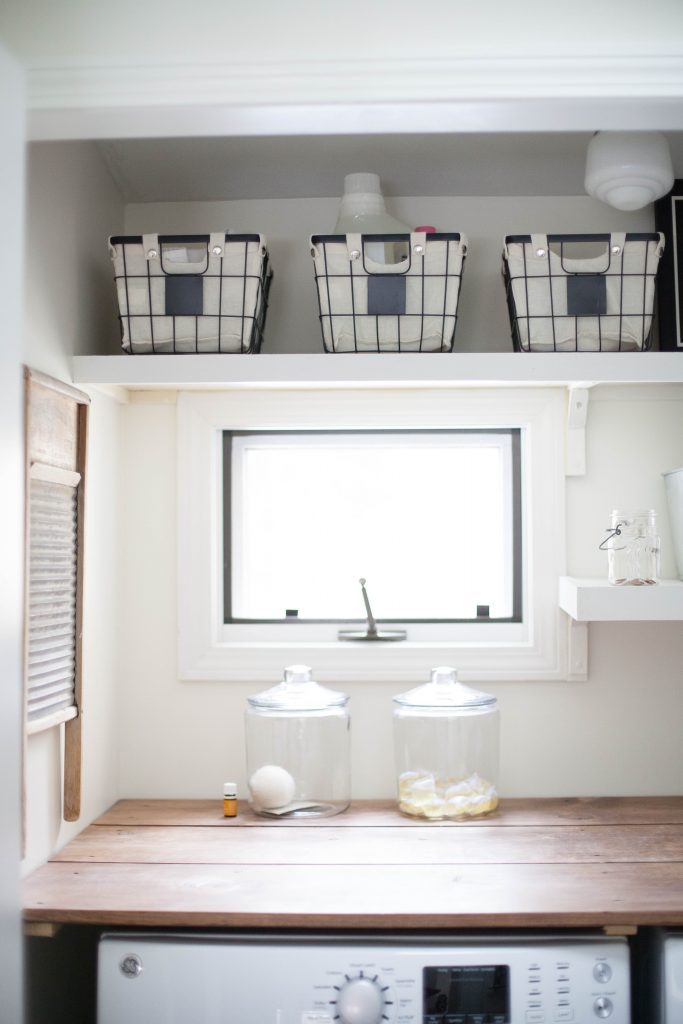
<point x="372" y="625"/>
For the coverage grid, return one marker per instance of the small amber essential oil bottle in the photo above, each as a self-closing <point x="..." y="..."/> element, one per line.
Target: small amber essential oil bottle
<point x="229" y="799"/>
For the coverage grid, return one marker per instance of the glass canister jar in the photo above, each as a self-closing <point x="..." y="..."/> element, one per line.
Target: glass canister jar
<point x="298" y="749"/>
<point x="446" y="740"/>
<point x="632" y="548"/>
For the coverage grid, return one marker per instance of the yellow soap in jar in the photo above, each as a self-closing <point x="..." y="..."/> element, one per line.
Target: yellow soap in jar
<point x="446" y="749"/>
<point x="424" y="795"/>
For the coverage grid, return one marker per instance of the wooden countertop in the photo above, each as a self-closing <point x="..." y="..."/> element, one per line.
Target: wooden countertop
<point x="603" y="862"/>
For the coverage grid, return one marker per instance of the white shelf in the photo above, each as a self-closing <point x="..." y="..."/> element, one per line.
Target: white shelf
<point x="589" y="600"/>
<point x="442" y="369"/>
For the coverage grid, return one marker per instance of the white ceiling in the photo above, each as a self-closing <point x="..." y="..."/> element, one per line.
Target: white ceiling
<point x="183" y="170"/>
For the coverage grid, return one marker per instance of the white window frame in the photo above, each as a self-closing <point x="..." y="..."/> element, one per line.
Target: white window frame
<point x="208" y="649"/>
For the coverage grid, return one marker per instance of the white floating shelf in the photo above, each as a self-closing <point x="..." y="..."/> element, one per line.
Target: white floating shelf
<point x="406" y="369"/>
<point x="589" y="600"/>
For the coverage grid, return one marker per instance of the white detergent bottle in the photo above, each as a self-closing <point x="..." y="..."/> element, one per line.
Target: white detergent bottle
<point x="362" y="211"/>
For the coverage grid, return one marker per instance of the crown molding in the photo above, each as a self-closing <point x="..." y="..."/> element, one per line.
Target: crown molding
<point x="84" y="100"/>
<point x="58" y="86"/>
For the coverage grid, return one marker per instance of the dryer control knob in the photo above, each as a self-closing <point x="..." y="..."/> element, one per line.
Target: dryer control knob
<point x="602" y="972"/>
<point x="602" y="1007"/>
<point x="360" y="1001"/>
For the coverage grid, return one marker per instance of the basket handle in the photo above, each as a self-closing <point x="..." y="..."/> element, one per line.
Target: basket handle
<point x="614" y="243"/>
<point x="153" y="250"/>
<point x="355" y="244"/>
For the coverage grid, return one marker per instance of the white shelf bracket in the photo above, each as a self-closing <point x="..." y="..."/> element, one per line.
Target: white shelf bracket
<point x="575" y="435"/>
<point x="577" y="650"/>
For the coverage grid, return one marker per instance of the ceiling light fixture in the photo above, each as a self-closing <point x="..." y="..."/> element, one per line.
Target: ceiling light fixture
<point x="628" y="170"/>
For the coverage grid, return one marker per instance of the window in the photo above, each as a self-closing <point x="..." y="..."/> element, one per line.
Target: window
<point x="530" y="645"/>
<point x="431" y="518"/>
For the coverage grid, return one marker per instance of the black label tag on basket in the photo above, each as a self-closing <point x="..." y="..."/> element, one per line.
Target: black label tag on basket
<point x="184" y="295"/>
<point x="587" y="295"/>
<point x="387" y="295"/>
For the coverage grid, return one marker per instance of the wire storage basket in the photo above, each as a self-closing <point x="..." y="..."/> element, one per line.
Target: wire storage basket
<point x="371" y="306"/>
<point x="191" y="293"/>
<point x="560" y="299"/>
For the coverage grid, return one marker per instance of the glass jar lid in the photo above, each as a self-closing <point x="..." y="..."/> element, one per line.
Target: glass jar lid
<point x="298" y="691"/>
<point x="634" y="524"/>
<point x="443" y="691"/>
<point x="648" y="513"/>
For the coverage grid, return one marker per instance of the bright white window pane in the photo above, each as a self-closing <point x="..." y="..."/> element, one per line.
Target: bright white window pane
<point x="427" y="518"/>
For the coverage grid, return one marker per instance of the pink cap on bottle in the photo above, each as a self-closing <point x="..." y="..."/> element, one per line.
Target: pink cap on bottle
<point x="426" y="228"/>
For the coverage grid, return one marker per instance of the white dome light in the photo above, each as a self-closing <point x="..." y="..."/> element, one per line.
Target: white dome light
<point x="628" y="170"/>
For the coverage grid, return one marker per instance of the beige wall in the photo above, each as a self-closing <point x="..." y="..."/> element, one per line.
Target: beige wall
<point x="618" y="734"/>
<point x="72" y="207"/>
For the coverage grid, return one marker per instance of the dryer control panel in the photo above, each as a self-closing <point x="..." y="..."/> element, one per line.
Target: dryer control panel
<point x="181" y="979"/>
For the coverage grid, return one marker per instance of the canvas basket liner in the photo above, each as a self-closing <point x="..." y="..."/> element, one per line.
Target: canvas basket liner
<point x="432" y="288"/>
<point x="232" y="287"/>
<point x="539" y="295"/>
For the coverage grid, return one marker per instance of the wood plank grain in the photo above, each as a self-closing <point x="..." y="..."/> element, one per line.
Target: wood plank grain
<point x="73" y="756"/>
<point x="376" y="845"/>
<point x="73" y="730"/>
<point x="522" y="811"/>
<point x="536" y="863"/>
<point x="368" y="896"/>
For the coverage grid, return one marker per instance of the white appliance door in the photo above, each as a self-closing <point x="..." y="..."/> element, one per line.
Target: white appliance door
<point x="673" y="979"/>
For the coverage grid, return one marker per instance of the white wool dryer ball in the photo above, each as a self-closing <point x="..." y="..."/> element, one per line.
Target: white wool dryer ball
<point x="272" y="787"/>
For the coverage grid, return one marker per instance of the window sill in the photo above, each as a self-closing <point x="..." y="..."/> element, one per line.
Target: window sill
<point x="402" y="662"/>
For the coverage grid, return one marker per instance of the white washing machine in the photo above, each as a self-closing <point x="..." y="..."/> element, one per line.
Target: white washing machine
<point x="318" y="979"/>
<point x="659" y="969"/>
